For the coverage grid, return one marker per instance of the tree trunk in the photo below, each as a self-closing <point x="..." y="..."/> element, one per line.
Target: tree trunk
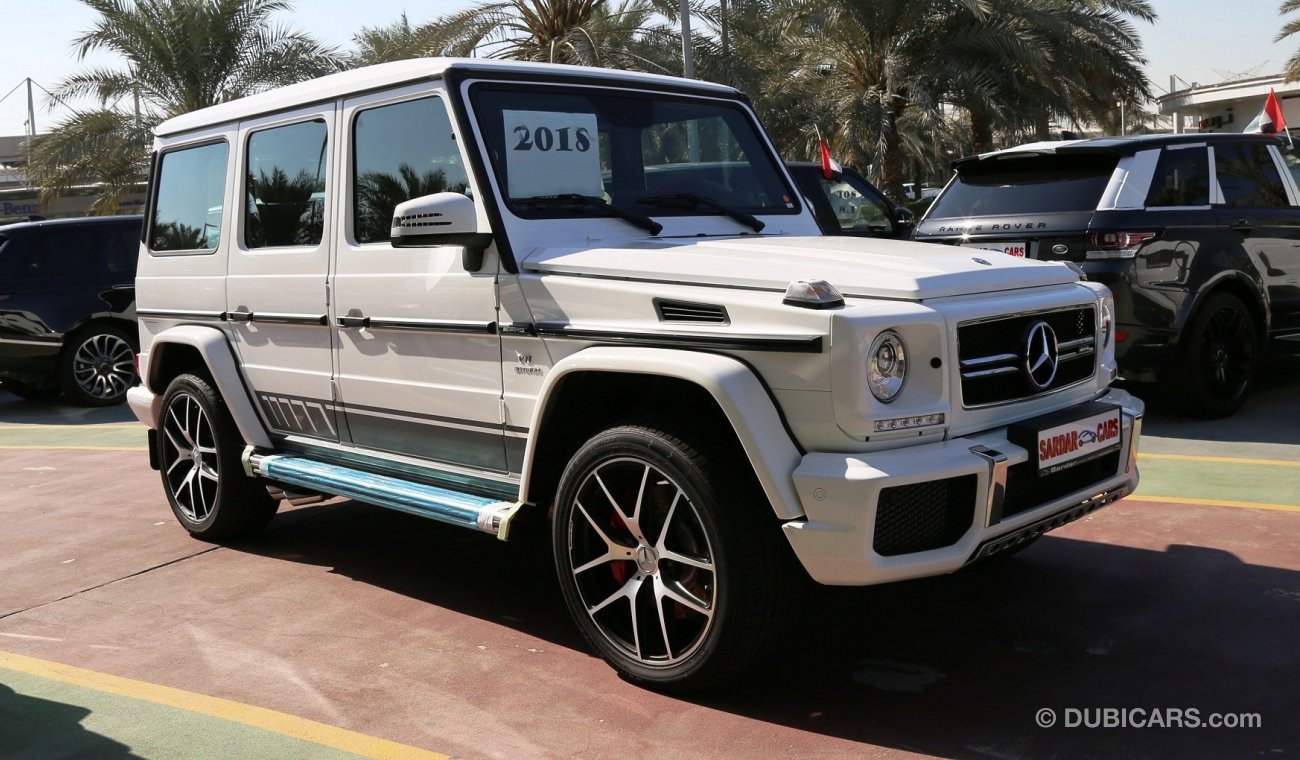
<point x="981" y="131"/>
<point x="892" y="164"/>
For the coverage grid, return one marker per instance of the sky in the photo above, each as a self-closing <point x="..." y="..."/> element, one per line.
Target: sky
<point x="1199" y="41"/>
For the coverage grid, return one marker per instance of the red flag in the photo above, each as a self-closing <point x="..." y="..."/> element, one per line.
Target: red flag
<point x="830" y="167"/>
<point x="1271" y="120"/>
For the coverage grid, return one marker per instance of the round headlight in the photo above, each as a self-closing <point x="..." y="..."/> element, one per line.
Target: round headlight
<point x="887" y="366"/>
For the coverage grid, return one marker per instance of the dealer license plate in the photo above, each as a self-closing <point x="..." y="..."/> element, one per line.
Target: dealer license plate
<point x="1057" y="444"/>
<point x="1019" y="248"/>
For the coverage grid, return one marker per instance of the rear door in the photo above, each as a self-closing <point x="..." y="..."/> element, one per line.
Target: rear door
<point x="419" y="358"/>
<point x="1260" y="210"/>
<point x="275" y="291"/>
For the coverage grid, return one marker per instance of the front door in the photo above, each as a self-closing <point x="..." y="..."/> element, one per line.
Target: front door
<point x="419" y="359"/>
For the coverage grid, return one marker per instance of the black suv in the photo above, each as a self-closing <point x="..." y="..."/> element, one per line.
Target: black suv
<point x="847" y="204"/>
<point x="67" y="308"/>
<point x="1198" y="235"/>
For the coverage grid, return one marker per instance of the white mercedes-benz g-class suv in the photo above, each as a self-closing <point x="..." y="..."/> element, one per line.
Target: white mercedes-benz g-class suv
<point x="477" y="290"/>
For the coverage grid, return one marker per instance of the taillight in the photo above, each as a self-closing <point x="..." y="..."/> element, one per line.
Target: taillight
<point x="1115" y="245"/>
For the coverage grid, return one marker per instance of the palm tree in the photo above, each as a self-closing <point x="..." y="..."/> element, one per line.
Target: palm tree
<point x="625" y="35"/>
<point x="1292" y="71"/>
<point x="179" y="55"/>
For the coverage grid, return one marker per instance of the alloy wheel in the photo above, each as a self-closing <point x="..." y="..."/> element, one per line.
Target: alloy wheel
<point x="190" y="460"/>
<point x="642" y="562"/>
<point x="104" y="366"/>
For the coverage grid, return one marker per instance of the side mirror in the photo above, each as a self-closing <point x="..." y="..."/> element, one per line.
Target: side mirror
<point x="441" y="219"/>
<point x="904" y="217"/>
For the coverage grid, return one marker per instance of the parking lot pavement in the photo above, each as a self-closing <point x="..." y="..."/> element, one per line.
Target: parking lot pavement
<point x="391" y="627"/>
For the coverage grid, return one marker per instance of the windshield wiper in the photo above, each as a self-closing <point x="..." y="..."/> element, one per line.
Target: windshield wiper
<point x="577" y="202"/>
<point x="693" y="201"/>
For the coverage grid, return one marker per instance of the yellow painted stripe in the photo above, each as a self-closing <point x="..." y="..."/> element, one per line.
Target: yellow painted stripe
<point x="1214" y="503"/>
<point x="70" y="425"/>
<point x="249" y="715"/>
<point x="75" y="448"/>
<point x="1227" y="460"/>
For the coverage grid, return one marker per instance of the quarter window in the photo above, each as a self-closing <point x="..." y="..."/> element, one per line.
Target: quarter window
<point x="285" y="186"/>
<point x="187" y="202"/>
<point x="403" y="151"/>
<point x="1248" y="176"/>
<point x="1182" y="178"/>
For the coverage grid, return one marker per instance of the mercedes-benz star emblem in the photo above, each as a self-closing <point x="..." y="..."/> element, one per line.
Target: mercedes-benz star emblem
<point x="1040" y="355"/>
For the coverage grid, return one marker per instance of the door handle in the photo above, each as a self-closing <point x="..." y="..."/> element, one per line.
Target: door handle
<point x="239" y="316"/>
<point x="352" y="320"/>
<point x="1242" y="225"/>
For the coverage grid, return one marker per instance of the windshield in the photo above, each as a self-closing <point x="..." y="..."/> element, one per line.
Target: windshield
<point x="630" y="150"/>
<point x="1026" y="184"/>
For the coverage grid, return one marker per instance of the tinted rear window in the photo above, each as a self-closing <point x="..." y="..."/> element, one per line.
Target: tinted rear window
<point x="1026" y="185"/>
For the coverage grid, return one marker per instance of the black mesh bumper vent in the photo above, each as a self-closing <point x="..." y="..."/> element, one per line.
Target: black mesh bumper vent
<point x="1026" y="489"/>
<point x="924" y="516"/>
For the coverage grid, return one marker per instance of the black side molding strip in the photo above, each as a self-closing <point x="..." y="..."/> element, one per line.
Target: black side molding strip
<point x="433" y="325"/>
<point x="801" y="344"/>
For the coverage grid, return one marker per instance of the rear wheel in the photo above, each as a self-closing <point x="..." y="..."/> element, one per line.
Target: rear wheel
<point x="98" y="366"/>
<point x="1220" y="355"/>
<point x="669" y="563"/>
<point x="200" y="451"/>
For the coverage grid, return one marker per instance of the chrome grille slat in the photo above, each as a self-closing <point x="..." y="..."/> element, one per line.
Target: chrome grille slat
<point x="992" y="354"/>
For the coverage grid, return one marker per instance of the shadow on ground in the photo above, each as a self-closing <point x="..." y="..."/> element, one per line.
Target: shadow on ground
<point x="956" y="666"/>
<point x="56" y="412"/>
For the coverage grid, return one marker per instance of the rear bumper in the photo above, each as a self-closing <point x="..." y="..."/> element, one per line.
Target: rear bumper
<point x="969" y="498"/>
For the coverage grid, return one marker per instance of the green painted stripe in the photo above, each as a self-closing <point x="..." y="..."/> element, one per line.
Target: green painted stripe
<point x="81" y="436"/>
<point x="1219" y="481"/>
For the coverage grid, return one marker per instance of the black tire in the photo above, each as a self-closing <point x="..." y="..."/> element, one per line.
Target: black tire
<point x="97" y="365"/>
<point x="1216" y="367"/>
<point x="199" y="451"/>
<point x="687" y="580"/>
<point x="31" y="391"/>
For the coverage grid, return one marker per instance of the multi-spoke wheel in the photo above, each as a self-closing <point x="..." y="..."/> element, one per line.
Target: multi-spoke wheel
<point x="98" y="366"/>
<point x="668" y="563"/>
<point x="199" y="450"/>
<point x="1219" y="358"/>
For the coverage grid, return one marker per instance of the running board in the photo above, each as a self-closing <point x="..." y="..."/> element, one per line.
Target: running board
<point x="442" y="504"/>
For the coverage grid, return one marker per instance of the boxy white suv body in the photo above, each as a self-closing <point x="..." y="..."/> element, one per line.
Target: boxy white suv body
<point x="481" y="291"/>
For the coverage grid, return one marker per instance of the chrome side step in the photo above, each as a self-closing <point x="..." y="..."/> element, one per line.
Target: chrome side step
<point x="442" y="504"/>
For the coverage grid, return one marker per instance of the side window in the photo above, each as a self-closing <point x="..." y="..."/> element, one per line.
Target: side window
<point x="1292" y="163"/>
<point x="1182" y="178"/>
<point x="122" y="246"/>
<point x="401" y="151"/>
<point x="856" y="210"/>
<point x="284" y="186"/>
<point x="1248" y="176"/>
<point x="187" y="204"/>
<point x="63" y="251"/>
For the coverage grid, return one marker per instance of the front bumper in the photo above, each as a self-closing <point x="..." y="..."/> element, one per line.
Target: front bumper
<point x="971" y="497"/>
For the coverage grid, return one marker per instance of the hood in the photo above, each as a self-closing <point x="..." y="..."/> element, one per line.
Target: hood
<point x="869" y="268"/>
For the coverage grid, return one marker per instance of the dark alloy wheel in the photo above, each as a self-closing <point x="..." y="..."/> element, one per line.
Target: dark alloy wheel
<point x="670" y="568"/>
<point x="199" y="452"/>
<point x="98" y="366"/>
<point x="1219" y="359"/>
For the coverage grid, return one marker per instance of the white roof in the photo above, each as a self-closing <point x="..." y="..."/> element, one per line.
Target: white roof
<point x="387" y="74"/>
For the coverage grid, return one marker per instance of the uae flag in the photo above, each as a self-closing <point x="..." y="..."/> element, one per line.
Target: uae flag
<point x="1270" y="120"/>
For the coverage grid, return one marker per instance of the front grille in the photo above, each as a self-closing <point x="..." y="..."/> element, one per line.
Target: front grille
<point x="923" y="516"/>
<point x="992" y="355"/>
<point x="1026" y="489"/>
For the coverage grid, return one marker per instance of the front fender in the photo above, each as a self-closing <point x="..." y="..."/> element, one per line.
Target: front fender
<point x="213" y="347"/>
<point x="737" y="390"/>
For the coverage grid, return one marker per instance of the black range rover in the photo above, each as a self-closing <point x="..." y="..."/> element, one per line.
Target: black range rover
<point x="67" y="308"/>
<point x="1198" y="235"/>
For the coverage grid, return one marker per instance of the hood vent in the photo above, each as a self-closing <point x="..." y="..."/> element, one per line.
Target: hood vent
<point x="685" y="311"/>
